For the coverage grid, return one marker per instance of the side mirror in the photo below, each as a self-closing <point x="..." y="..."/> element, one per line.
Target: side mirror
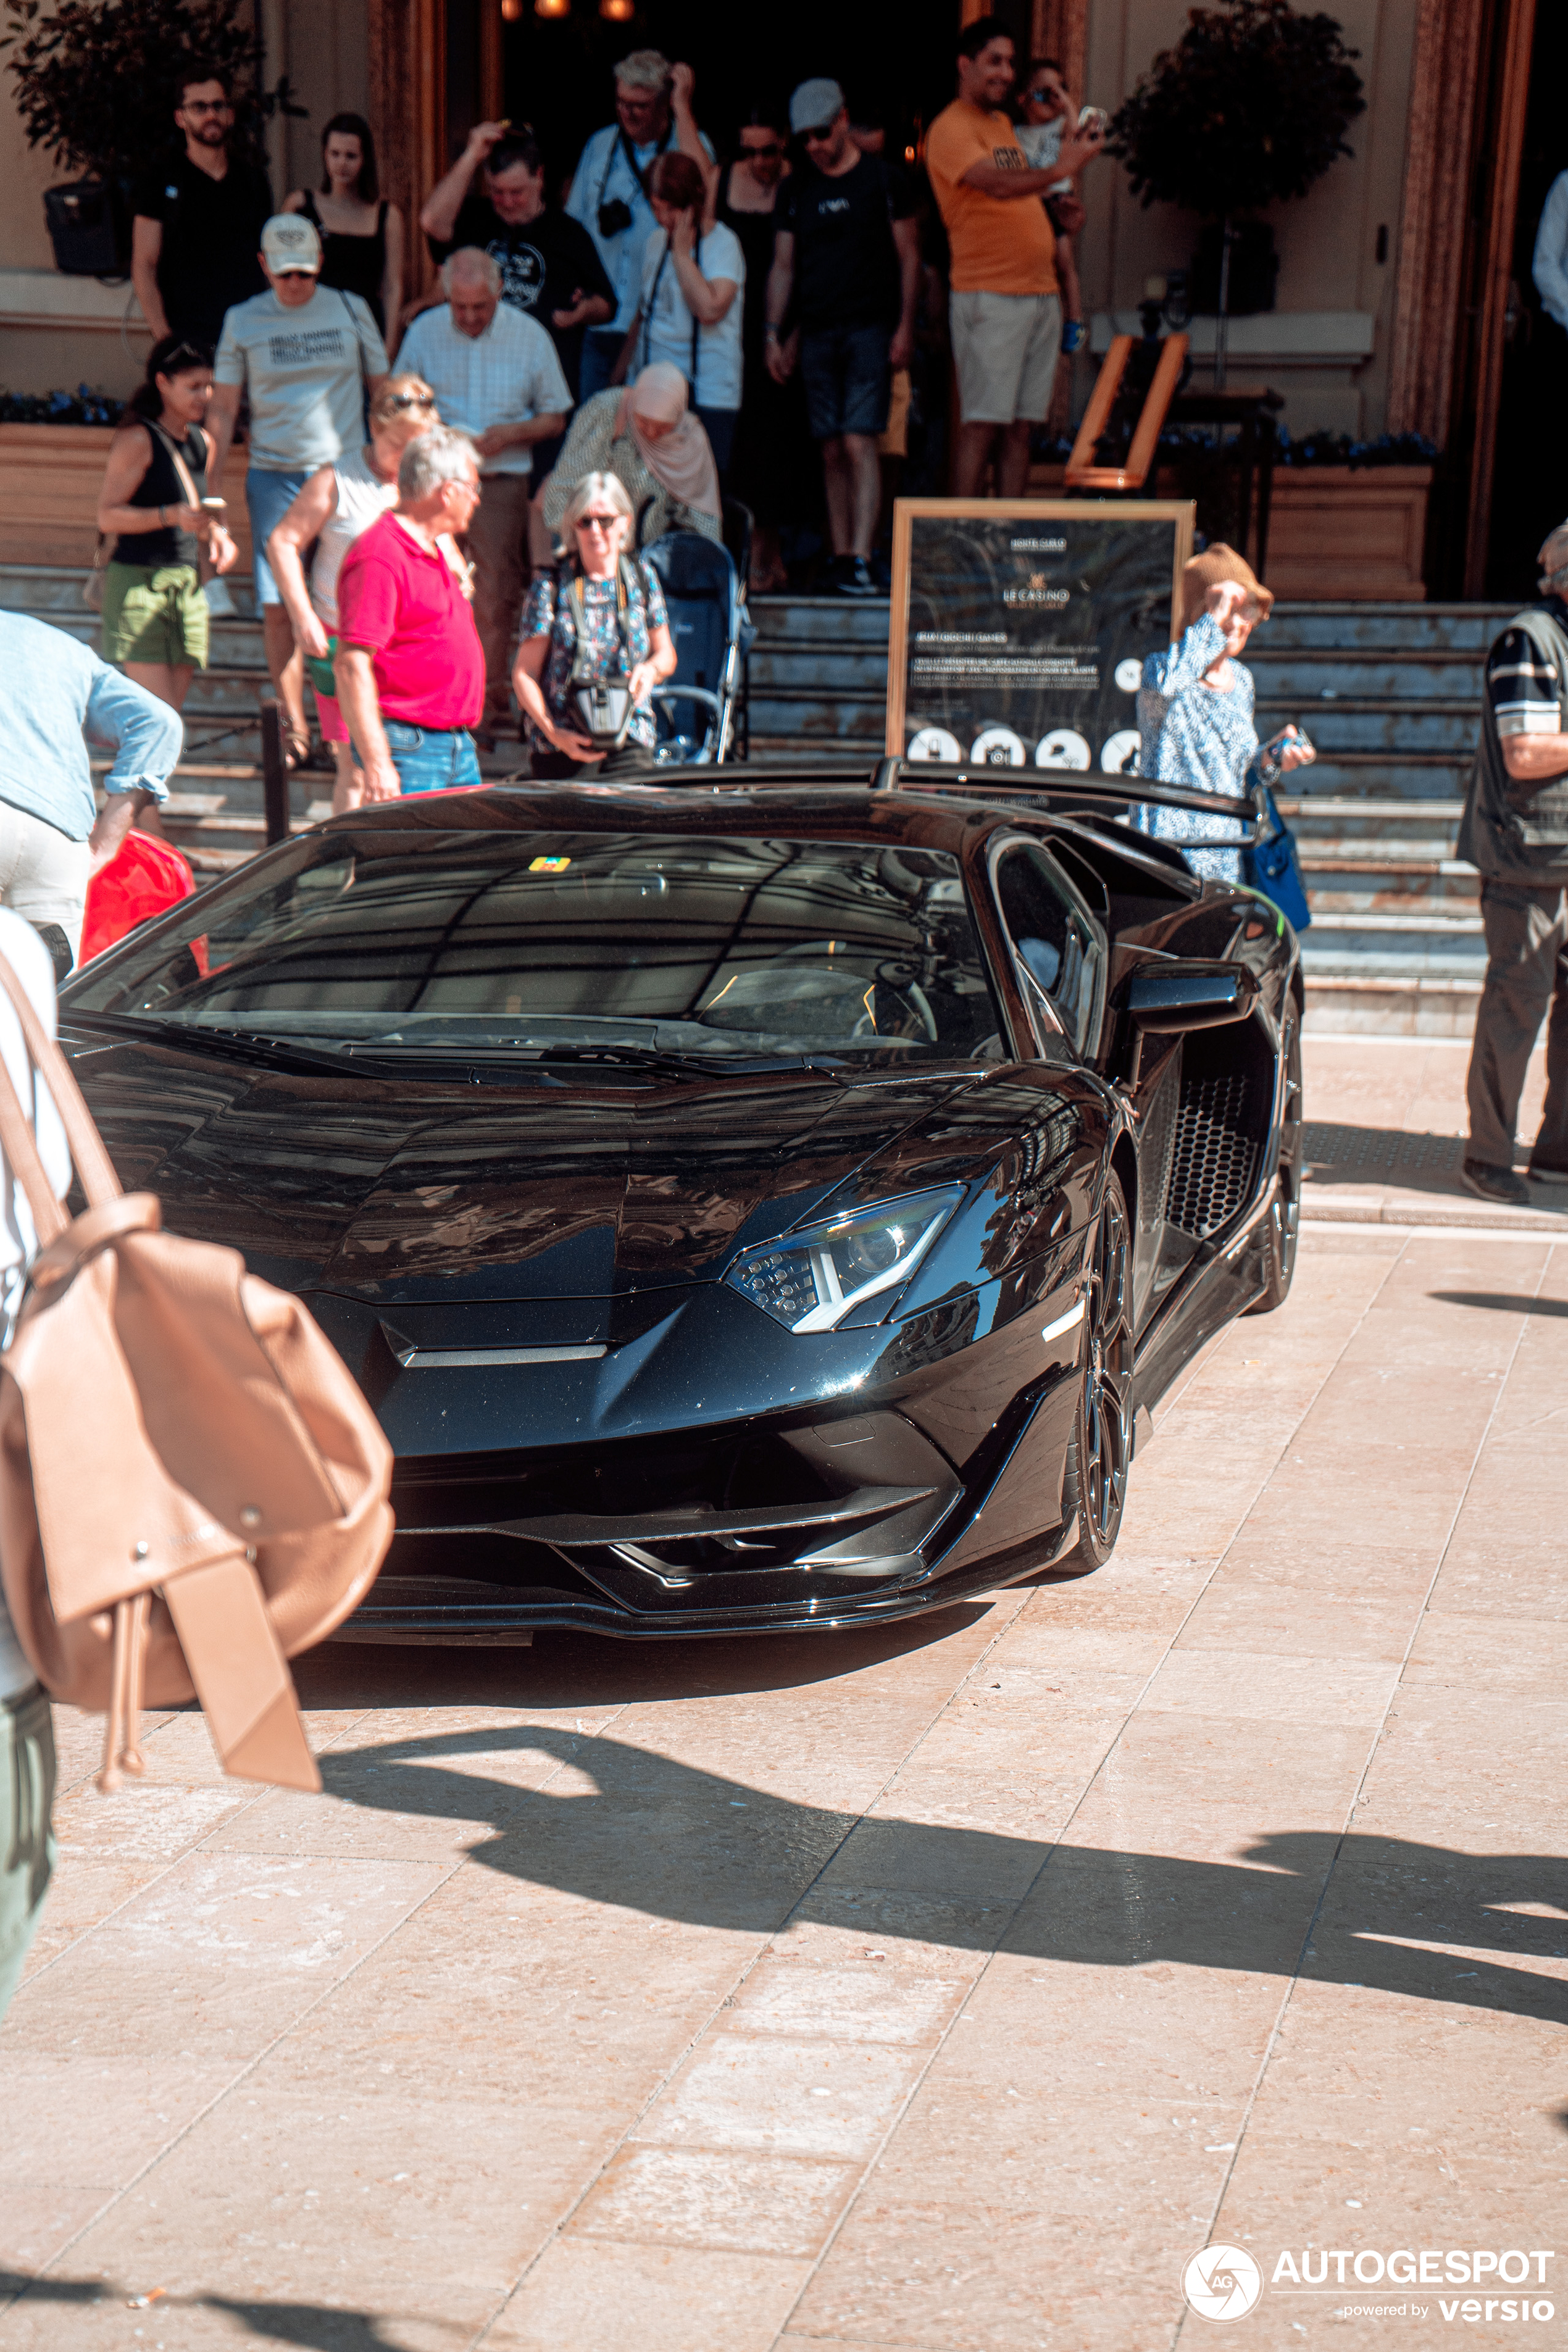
<point x="1166" y="999"/>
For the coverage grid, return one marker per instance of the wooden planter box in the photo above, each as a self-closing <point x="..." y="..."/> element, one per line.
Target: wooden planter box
<point x="1336" y="534"/>
<point x="50" y="475"/>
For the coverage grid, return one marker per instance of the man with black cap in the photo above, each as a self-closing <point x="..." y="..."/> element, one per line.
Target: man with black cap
<point x="847" y="255"/>
<point x="1515" y="830"/>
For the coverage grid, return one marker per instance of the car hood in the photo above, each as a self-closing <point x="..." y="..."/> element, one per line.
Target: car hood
<point x="559" y="1185"/>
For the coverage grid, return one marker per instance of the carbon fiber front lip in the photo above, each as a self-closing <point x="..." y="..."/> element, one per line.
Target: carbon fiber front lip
<point x="474" y="1622"/>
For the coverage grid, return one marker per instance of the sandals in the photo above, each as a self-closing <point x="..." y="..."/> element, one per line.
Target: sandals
<point x="296" y="749"/>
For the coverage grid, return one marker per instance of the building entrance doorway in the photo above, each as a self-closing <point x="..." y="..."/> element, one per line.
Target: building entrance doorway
<point x="1530" y="484"/>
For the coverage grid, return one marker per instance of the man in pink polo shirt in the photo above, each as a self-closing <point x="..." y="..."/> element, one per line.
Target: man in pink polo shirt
<point x="409" y="667"/>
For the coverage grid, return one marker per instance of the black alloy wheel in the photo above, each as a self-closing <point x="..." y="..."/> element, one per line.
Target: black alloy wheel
<point x="1282" y="1227"/>
<point x="1095" y="1480"/>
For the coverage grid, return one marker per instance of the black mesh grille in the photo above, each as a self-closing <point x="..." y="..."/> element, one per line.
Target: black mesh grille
<point x="1210" y="1168"/>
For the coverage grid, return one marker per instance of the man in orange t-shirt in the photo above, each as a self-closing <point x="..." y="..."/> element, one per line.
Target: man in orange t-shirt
<point x="1004" y="309"/>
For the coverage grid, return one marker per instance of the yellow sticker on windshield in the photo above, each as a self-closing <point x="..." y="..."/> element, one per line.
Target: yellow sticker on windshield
<point x="548" y="864"/>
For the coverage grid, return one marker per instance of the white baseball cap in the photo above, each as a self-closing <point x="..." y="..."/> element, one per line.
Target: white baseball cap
<point x="288" y="241"/>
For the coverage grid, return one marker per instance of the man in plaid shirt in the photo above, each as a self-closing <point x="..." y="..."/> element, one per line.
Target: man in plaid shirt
<point x="495" y="376"/>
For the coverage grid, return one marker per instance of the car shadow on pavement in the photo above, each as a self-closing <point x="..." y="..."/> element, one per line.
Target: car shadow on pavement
<point x="643" y="1831"/>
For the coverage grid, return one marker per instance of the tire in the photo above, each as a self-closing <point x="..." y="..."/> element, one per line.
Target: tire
<point x="1094" y="1481"/>
<point x="1282" y="1227"/>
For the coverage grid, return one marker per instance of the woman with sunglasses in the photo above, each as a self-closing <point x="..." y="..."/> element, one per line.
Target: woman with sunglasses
<point x="768" y="471"/>
<point x="336" y="504"/>
<point x="155" y="618"/>
<point x="1195" y="712"/>
<point x="599" y="614"/>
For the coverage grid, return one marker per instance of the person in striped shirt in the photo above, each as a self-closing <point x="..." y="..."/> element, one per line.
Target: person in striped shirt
<point x="1515" y="832"/>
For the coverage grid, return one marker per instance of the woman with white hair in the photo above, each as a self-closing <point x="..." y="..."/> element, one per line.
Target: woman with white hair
<point x="649" y="437"/>
<point x="598" y="617"/>
<point x="337" y="503"/>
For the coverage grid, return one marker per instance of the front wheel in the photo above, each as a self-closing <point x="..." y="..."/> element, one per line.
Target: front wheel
<point x="1094" y="1483"/>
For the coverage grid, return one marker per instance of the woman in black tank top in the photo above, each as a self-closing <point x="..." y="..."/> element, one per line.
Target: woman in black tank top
<point x="360" y="232"/>
<point x="155" y="618"/>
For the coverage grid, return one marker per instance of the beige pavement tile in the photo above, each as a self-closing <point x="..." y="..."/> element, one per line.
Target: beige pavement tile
<point x="1198" y="1756"/>
<point x="1484" y="1652"/>
<point x="1456" y="1769"/>
<point x="249" y="1944"/>
<point x="588" y="2294"/>
<point x="80" y="2129"/>
<point x="85" y="1889"/>
<point x="1236" y="1613"/>
<point x="1241" y="1683"/>
<point x="148" y="1822"/>
<point x="920" y="2264"/>
<point x="697" y="2197"/>
<point x="868" y="2003"/>
<point x="37" y="2221"/>
<point x="1318" y="1558"/>
<point x="431" y="2208"/>
<point x="793" y="2097"/>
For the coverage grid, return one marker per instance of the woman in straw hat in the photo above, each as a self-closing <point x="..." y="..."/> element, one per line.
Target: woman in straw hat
<point x="1195" y="711"/>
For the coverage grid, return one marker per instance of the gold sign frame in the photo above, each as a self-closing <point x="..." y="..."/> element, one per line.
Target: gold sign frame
<point x="1181" y="511"/>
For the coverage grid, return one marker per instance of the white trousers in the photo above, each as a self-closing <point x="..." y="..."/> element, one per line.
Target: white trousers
<point x="43" y="873"/>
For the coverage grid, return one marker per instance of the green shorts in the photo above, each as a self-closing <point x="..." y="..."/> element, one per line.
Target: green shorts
<point x="155" y="614"/>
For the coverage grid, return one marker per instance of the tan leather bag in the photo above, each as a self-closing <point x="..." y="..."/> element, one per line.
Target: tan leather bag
<point x="191" y="1487"/>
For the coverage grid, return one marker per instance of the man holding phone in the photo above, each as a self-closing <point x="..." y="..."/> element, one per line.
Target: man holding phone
<point x="1005" y="308"/>
<point x="609" y="191"/>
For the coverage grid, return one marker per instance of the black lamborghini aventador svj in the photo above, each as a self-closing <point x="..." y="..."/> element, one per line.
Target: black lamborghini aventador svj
<point x="764" y="1203"/>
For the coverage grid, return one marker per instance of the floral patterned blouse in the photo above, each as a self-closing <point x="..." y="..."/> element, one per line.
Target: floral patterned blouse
<point x="615" y="644"/>
<point x="1194" y="735"/>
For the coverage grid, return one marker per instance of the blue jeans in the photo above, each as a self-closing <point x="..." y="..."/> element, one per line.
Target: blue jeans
<point x="269" y="498"/>
<point x="431" y="759"/>
<point x="601" y="349"/>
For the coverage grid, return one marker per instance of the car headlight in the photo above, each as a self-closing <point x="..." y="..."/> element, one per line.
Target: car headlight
<point x="812" y="1279"/>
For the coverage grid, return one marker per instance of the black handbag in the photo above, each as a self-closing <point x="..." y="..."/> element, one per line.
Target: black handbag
<point x="83" y="229"/>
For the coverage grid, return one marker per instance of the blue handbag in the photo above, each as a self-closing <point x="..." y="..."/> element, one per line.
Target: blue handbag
<point x="1270" y="862"/>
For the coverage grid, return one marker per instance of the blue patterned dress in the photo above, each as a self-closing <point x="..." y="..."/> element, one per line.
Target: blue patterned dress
<point x="1195" y="736"/>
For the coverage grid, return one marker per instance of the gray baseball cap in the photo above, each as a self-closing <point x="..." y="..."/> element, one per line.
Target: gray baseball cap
<point x="815" y="104"/>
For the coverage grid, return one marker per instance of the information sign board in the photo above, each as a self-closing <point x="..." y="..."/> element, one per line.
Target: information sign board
<point x="1019" y="628"/>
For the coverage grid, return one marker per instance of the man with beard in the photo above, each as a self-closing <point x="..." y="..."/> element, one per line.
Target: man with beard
<point x="197" y="222"/>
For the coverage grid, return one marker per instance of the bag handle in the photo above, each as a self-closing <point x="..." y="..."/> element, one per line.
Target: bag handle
<point x="181" y="476"/>
<point x="92" y="1162"/>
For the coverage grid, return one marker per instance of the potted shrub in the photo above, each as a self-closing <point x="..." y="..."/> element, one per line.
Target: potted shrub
<point x="1250" y="109"/>
<point x="95" y="89"/>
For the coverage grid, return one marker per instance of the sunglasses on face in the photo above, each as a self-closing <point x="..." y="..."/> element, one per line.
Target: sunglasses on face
<point x="597" y="522"/>
<point x="817" y="138"/>
<point x="768" y="147"/>
<point x="411" y="400"/>
<point x="205" y="106"/>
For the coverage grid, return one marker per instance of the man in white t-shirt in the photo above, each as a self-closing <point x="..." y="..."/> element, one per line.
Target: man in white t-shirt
<point x="609" y="192"/>
<point x="309" y="356"/>
<point x="27" y="1730"/>
<point x="495" y="376"/>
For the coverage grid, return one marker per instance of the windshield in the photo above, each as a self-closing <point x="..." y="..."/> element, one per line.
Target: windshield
<point x="742" y="947"/>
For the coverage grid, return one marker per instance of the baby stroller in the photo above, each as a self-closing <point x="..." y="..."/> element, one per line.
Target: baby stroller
<point x="702" y="708"/>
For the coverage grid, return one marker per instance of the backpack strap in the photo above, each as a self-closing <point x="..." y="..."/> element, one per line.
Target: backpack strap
<point x="92" y="1162"/>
